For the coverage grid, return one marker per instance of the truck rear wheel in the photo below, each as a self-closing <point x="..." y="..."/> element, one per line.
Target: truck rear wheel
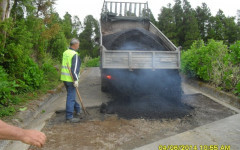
<point x="104" y="85"/>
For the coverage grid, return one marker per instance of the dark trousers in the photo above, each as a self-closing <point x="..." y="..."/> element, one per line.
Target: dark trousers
<point x="71" y="103"/>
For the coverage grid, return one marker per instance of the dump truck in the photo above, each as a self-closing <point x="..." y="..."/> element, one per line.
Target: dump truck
<point x="134" y="54"/>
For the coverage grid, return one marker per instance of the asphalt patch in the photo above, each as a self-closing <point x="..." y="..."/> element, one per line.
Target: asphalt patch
<point x="152" y="107"/>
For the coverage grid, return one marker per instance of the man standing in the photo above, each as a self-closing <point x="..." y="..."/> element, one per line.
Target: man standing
<point x="72" y="59"/>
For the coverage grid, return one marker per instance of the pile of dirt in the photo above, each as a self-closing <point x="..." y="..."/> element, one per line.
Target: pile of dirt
<point x="133" y="39"/>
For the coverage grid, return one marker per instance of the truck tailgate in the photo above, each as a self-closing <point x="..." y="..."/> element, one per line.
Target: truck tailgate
<point x="123" y="59"/>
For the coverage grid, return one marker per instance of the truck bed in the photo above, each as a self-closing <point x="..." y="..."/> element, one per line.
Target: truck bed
<point x="139" y="59"/>
<point x="117" y="17"/>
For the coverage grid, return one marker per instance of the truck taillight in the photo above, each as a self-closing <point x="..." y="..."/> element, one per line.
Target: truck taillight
<point x="109" y="77"/>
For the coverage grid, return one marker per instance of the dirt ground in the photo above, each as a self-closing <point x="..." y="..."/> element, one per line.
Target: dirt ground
<point x="108" y="131"/>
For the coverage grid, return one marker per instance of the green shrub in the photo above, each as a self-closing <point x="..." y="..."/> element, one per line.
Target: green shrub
<point x="214" y="63"/>
<point x="6" y="111"/>
<point x="33" y="75"/>
<point x="92" y="62"/>
<point x="235" y="53"/>
<point x="51" y="74"/>
<point x="195" y="62"/>
<point x="237" y="90"/>
<point x="58" y="45"/>
<point x="6" y="88"/>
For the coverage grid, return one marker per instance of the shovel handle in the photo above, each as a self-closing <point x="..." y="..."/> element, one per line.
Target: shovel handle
<point x="79" y="96"/>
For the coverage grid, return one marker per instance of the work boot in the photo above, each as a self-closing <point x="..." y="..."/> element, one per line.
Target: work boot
<point x="73" y="120"/>
<point x="80" y="115"/>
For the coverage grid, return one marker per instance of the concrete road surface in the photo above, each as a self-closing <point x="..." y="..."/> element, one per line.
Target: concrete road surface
<point x="223" y="134"/>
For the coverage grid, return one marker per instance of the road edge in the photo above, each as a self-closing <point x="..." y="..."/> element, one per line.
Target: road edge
<point x="213" y="92"/>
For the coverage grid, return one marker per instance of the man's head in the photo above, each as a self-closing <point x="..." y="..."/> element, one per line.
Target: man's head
<point x="74" y="44"/>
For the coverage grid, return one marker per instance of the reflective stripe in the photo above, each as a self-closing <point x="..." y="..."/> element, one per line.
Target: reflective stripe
<point x="64" y="67"/>
<point x="66" y="74"/>
<point x="76" y="67"/>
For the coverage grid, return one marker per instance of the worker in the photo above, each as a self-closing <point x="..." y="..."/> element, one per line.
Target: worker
<point x="71" y="59"/>
<point x="31" y="137"/>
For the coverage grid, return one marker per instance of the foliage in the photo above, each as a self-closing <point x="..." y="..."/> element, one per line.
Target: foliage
<point x="51" y="71"/>
<point x="58" y="45"/>
<point x="89" y="62"/>
<point x="6" y="88"/>
<point x="190" y="29"/>
<point x="214" y="63"/>
<point x="203" y="14"/>
<point x="235" y="53"/>
<point x="168" y="23"/>
<point x="238" y="17"/>
<point x="237" y="90"/>
<point x="183" y="25"/>
<point x="33" y="41"/>
<point x="33" y="75"/>
<point x="6" y="110"/>
<point x="89" y="37"/>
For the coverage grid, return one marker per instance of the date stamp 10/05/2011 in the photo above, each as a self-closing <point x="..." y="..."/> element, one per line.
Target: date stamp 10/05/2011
<point x="194" y="147"/>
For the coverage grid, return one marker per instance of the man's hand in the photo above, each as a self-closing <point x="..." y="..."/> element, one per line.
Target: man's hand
<point x="33" y="137"/>
<point x="75" y="84"/>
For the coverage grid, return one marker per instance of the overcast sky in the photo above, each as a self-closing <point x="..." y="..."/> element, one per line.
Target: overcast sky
<point x="81" y="8"/>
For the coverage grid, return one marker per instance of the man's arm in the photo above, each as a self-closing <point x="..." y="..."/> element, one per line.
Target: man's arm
<point x="31" y="137"/>
<point x="76" y="63"/>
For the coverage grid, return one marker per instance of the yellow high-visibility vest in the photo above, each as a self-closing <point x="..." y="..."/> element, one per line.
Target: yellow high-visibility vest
<point x="67" y="59"/>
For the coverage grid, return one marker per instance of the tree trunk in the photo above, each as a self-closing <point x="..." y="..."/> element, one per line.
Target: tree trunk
<point x="4" y="14"/>
<point x="4" y="9"/>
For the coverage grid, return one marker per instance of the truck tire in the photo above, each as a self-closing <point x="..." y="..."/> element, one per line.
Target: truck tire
<point x="104" y="85"/>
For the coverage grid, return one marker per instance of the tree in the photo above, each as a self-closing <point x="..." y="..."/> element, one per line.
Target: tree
<point x="238" y="17"/>
<point x="223" y="28"/>
<point x="67" y="26"/>
<point x="4" y="14"/>
<point x="166" y="23"/>
<point x="21" y="8"/>
<point x="190" y="25"/>
<point x="211" y="28"/>
<point x="219" y="26"/>
<point x="76" y="26"/>
<point x="178" y="15"/>
<point x="43" y="7"/>
<point x="231" y="30"/>
<point x="151" y="17"/>
<point x="179" y="23"/>
<point x="4" y="9"/>
<point x="203" y="15"/>
<point x="89" y="45"/>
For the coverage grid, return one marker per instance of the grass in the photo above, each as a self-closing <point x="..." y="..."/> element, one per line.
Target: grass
<point x="95" y="62"/>
<point x="27" y="97"/>
<point x="90" y="62"/>
<point x="52" y="80"/>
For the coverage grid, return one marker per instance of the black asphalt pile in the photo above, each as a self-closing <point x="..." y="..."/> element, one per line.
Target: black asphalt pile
<point x="166" y="83"/>
<point x="145" y="107"/>
<point x="146" y="94"/>
<point x="133" y="39"/>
